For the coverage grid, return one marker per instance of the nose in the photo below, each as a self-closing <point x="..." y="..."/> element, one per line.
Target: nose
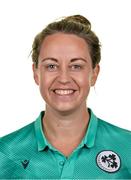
<point x="64" y="77"/>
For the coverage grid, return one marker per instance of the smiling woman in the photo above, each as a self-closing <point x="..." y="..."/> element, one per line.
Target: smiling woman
<point x="67" y="141"/>
<point x="69" y="75"/>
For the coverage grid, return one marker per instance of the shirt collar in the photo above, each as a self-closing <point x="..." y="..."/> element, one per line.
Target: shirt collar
<point x="41" y="139"/>
<point x="88" y="140"/>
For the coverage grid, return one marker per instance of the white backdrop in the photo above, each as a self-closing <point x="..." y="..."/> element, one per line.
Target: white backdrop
<point x="20" y="21"/>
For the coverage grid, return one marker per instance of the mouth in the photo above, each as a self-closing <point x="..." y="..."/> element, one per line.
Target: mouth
<point x="64" y="92"/>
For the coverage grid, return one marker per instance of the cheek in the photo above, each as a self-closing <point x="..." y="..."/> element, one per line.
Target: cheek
<point x="45" y="82"/>
<point x="42" y="82"/>
<point x="84" y="80"/>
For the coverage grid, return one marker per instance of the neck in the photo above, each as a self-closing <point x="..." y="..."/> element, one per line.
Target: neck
<point x="65" y="126"/>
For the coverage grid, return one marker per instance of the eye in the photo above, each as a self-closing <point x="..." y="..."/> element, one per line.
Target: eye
<point x="76" y="67"/>
<point x="51" y="67"/>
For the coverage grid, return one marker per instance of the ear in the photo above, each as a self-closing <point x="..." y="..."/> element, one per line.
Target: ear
<point x="95" y="73"/>
<point x="35" y="74"/>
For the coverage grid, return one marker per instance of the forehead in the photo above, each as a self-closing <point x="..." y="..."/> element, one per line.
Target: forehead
<point x="64" y="44"/>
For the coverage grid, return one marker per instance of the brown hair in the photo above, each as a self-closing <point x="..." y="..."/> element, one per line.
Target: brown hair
<point x="75" y="24"/>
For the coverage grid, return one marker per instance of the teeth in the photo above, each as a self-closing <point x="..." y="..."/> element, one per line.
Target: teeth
<point x="64" y="92"/>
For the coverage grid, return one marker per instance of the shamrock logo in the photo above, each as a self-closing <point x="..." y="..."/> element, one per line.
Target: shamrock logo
<point x="108" y="161"/>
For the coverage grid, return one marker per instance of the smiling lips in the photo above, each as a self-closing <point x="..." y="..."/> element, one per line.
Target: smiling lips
<point x="64" y="91"/>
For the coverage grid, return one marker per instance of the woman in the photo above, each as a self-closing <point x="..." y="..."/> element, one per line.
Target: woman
<point x="67" y="141"/>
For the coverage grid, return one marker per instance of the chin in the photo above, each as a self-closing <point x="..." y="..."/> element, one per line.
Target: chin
<point x="65" y="109"/>
<point x="65" y="112"/>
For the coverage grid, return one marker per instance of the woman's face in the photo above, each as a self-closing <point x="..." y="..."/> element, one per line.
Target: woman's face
<point x="64" y="72"/>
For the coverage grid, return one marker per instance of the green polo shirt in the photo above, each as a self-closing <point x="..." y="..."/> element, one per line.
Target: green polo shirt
<point x="104" y="153"/>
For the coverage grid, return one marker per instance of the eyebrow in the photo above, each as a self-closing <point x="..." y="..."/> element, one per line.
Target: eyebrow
<point x="79" y="58"/>
<point x="49" y="58"/>
<point x="72" y="60"/>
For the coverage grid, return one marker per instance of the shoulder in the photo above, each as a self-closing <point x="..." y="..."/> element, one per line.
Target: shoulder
<point x="13" y="147"/>
<point x="114" y="136"/>
<point x="106" y="130"/>
<point x="113" y="129"/>
<point x="15" y="139"/>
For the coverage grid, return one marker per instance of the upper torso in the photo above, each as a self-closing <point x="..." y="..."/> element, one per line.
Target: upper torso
<point x="104" y="153"/>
